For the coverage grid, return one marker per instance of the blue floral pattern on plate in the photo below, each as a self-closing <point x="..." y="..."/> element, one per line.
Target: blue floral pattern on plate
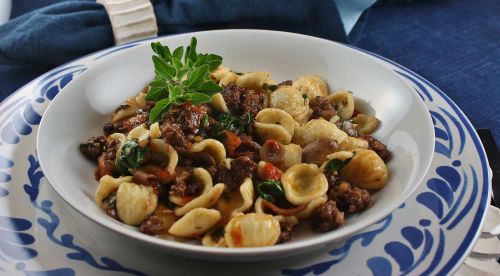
<point x="451" y="202"/>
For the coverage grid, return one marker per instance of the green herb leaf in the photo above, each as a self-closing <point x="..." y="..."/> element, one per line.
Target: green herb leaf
<point x="158" y="110"/>
<point x="204" y="121"/>
<point x="336" y="164"/>
<point x="180" y="77"/>
<point x="132" y="156"/>
<point x="271" y="190"/>
<point x="235" y="124"/>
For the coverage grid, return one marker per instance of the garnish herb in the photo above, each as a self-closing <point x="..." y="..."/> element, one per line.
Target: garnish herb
<point x="271" y="190"/>
<point x="179" y="80"/>
<point x="132" y="156"/>
<point x="204" y="121"/>
<point x="304" y="96"/>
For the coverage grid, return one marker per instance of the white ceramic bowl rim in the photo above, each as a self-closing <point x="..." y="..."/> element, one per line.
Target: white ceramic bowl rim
<point x="320" y="239"/>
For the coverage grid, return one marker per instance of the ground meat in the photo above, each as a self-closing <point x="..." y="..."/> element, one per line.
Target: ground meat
<point x="321" y="107"/>
<point x="212" y="170"/>
<point x="152" y="226"/>
<point x="316" y="151"/>
<point x="174" y="136"/>
<point x="333" y="179"/>
<point x="127" y="124"/>
<point x="377" y="147"/>
<point x="241" y="100"/>
<point x="286" y="231"/>
<point x="144" y="178"/>
<point x="327" y="217"/>
<point x="347" y="127"/>
<point x="272" y="151"/>
<point x="253" y="102"/>
<point x="106" y="162"/>
<point x="109" y="206"/>
<point x="108" y="129"/>
<point x="190" y="117"/>
<point x="248" y="148"/>
<point x="349" y="198"/>
<point x="94" y="147"/>
<point x="184" y="184"/>
<point x="241" y="168"/>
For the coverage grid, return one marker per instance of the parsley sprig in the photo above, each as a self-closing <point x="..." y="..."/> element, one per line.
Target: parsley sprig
<point x="181" y="77"/>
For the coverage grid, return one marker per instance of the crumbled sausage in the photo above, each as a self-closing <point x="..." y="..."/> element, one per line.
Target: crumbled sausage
<point x="286" y="231"/>
<point x="241" y="168"/>
<point x="272" y="151"/>
<point x="241" y="100"/>
<point x="316" y="151"/>
<point x="109" y="206"/>
<point x="174" y="136"/>
<point x="248" y="148"/>
<point x="321" y="107"/>
<point x="378" y="147"/>
<point x="93" y="148"/>
<point x="184" y="184"/>
<point x="108" y="129"/>
<point x="106" y="162"/>
<point x="190" y="117"/>
<point x="349" y="198"/>
<point x="146" y="179"/>
<point x="327" y="217"/>
<point x="347" y="127"/>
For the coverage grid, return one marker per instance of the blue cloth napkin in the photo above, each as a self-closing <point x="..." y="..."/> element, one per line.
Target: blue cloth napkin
<point x="35" y="42"/>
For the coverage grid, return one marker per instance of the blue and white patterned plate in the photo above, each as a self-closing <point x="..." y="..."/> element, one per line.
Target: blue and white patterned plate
<point x="431" y="233"/>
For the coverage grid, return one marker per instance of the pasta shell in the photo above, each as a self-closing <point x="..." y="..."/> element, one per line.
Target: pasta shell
<point x="107" y="186"/>
<point x="273" y="123"/>
<point x="213" y="238"/>
<point x="311" y="206"/>
<point x="223" y="76"/>
<point x="292" y="156"/>
<point x="195" y="223"/>
<point x="290" y="99"/>
<point x="344" y="102"/>
<point x="312" y="86"/>
<point x="252" y="230"/>
<point x="252" y="80"/>
<point x="318" y="129"/>
<point x="205" y="200"/>
<point x="140" y="134"/>
<point x="237" y="202"/>
<point x="352" y="143"/>
<point x="218" y="103"/>
<point x="154" y="131"/>
<point x="211" y="146"/>
<point x="339" y="155"/>
<point x="130" y="107"/>
<point x="366" y="170"/>
<point x="303" y="183"/>
<point x="159" y="145"/>
<point x="366" y="124"/>
<point x="120" y="137"/>
<point x="134" y="203"/>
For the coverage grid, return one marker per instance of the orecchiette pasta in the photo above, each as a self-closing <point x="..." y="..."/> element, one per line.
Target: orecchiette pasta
<point x="252" y="230"/>
<point x="303" y="183"/>
<point x="272" y="123"/>
<point x="218" y="103"/>
<point x="345" y="103"/>
<point x="352" y="143"/>
<point x="130" y="107"/>
<point x="291" y="100"/>
<point x="311" y="206"/>
<point x="318" y="129"/>
<point x="365" y="124"/>
<point x="366" y="170"/>
<point x="195" y="223"/>
<point x="154" y="131"/>
<point x="339" y="155"/>
<point x="107" y="186"/>
<point x="223" y="76"/>
<point x="135" y="202"/>
<point x="141" y="134"/>
<point x="312" y="86"/>
<point x="214" y="238"/>
<point x="159" y="145"/>
<point x="205" y="200"/>
<point x="292" y="156"/>
<point x="253" y="80"/>
<point x="211" y="146"/>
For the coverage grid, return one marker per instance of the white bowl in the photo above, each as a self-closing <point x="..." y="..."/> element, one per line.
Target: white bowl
<point x="84" y="105"/>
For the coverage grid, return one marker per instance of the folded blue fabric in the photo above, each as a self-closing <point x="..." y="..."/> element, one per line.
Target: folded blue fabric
<point x="35" y="42"/>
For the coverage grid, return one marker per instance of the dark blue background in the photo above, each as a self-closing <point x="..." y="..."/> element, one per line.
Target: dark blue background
<point x="453" y="44"/>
